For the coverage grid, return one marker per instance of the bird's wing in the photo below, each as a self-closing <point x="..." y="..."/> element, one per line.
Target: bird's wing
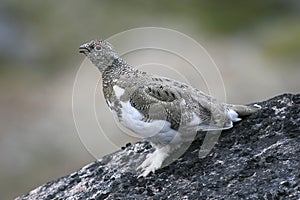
<point x="157" y="102"/>
<point x="189" y="108"/>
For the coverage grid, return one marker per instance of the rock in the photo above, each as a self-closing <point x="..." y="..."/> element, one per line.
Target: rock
<point x="257" y="159"/>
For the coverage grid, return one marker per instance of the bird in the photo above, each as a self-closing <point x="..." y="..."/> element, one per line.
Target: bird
<point x="161" y="110"/>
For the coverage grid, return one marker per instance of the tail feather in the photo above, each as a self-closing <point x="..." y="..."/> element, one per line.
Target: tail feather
<point x="242" y="110"/>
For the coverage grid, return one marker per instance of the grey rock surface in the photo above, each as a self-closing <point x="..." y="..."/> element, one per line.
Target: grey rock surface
<point x="257" y="159"/>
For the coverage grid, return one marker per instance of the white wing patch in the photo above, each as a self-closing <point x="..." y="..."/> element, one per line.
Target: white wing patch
<point x="118" y="91"/>
<point x="132" y="119"/>
<point x="196" y="121"/>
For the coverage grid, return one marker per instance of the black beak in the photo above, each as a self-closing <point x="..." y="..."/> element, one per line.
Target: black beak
<point x="83" y="49"/>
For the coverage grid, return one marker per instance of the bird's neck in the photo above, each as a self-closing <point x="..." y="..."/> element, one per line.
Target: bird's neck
<point x="113" y="72"/>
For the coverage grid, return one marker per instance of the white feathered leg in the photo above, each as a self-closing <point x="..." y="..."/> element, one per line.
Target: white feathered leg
<point x="154" y="160"/>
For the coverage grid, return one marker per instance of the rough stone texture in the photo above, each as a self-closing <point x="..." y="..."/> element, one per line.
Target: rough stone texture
<point x="257" y="159"/>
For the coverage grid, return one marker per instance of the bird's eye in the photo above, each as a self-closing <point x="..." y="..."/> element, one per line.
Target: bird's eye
<point x="98" y="47"/>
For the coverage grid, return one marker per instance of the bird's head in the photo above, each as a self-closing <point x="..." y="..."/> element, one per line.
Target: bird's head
<point x="99" y="52"/>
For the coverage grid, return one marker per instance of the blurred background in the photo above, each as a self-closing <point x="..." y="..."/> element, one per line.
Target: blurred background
<point x="255" y="44"/>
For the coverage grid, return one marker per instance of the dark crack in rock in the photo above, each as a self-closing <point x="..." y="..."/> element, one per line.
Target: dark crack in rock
<point x="257" y="159"/>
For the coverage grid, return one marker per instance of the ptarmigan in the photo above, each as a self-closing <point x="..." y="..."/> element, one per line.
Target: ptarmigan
<point x="164" y="111"/>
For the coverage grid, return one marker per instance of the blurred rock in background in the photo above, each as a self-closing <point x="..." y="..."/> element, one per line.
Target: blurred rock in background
<point x="256" y="46"/>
